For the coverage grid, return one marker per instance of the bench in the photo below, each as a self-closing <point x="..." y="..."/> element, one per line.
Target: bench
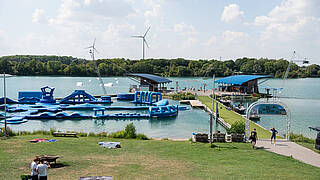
<point x="47" y="158"/>
<point x="64" y="134"/>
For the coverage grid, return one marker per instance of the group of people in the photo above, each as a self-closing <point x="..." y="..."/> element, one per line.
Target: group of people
<point x="39" y="169"/>
<point x="254" y="136"/>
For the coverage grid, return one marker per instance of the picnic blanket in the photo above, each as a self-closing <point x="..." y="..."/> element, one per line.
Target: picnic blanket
<point x="110" y="144"/>
<point x="43" y="140"/>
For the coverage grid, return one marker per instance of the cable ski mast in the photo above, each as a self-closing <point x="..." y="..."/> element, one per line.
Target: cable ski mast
<point x="92" y="51"/>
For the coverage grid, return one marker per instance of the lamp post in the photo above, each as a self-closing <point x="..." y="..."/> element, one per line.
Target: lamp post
<point x="5" y="104"/>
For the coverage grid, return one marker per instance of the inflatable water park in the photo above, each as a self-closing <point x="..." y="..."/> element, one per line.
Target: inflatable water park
<point x="41" y="105"/>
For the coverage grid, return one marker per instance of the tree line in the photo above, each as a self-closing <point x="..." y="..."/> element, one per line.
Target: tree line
<point x="31" y="65"/>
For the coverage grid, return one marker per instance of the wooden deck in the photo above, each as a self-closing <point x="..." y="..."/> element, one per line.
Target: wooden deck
<point x="193" y="103"/>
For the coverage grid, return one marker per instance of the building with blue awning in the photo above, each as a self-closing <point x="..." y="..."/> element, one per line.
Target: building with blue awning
<point x="150" y="82"/>
<point x="247" y="84"/>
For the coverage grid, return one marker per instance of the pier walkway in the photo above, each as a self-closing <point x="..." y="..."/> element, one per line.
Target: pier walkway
<point x="288" y="148"/>
<point x="193" y="103"/>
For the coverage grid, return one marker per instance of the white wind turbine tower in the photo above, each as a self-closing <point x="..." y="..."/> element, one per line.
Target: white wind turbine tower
<point x="92" y="51"/>
<point x="143" y="41"/>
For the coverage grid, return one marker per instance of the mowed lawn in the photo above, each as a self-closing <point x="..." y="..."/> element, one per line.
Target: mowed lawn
<point x="151" y="159"/>
<point x="231" y="117"/>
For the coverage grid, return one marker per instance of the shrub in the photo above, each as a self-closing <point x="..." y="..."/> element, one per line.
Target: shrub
<point x="82" y="134"/>
<point x="102" y="134"/>
<point x="52" y="130"/>
<point x="9" y="132"/>
<point x="142" y="137"/>
<point x="118" y="134"/>
<point x="301" y="138"/>
<point x="183" y="96"/>
<point x="130" y="131"/>
<point x="237" y="127"/>
<point x="91" y="134"/>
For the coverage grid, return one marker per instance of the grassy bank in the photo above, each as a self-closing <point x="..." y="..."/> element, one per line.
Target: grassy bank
<point x="149" y="159"/>
<point x="231" y="117"/>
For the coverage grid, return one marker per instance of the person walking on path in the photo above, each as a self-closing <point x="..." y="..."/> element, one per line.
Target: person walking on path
<point x="273" y="136"/>
<point x="33" y="167"/>
<point x="42" y="170"/>
<point x="253" y="137"/>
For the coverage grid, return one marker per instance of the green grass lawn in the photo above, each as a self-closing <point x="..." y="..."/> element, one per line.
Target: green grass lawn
<point x="308" y="145"/>
<point x="150" y="159"/>
<point x="231" y="117"/>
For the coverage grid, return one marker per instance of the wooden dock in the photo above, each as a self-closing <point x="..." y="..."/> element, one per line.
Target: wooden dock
<point x="193" y="103"/>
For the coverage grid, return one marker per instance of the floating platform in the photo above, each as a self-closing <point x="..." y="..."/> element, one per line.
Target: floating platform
<point x="193" y="103"/>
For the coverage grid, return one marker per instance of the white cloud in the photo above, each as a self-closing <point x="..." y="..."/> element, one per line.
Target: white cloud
<point x="291" y="20"/>
<point x="232" y="37"/>
<point x="39" y="16"/>
<point x="184" y="29"/>
<point x="231" y="13"/>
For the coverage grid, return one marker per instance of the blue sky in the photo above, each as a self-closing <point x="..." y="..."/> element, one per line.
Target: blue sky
<point x="192" y="29"/>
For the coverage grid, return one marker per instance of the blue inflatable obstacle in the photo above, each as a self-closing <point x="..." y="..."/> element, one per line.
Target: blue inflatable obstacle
<point x="99" y="113"/>
<point x="146" y="97"/>
<point x="47" y="96"/>
<point x="164" y="111"/>
<point x="125" y="96"/>
<point x="29" y="97"/>
<point x="8" y="101"/>
<point x="60" y="115"/>
<point x="80" y="96"/>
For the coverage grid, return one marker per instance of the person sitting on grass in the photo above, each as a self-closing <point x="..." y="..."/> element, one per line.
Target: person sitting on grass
<point x="253" y="137"/>
<point x="42" y="170"/>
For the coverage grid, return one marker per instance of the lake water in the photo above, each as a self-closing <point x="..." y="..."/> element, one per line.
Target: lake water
<point x="302" y="98"/>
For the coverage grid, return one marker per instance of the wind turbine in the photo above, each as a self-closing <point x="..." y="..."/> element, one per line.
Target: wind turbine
<point x="92" y="51"/>
<point x="143" y="41"/>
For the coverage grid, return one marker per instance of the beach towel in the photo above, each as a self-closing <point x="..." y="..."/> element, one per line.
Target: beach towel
<point x="110" y="144"/>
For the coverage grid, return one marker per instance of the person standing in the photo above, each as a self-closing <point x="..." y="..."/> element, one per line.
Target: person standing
<point x="273" y="136"/>
<point x="42" y="170"/>
<point x="254" y="137"/>
<point x="33" y="167"/>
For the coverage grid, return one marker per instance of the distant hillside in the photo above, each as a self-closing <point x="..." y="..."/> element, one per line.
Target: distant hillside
<point x="30" y="65"/>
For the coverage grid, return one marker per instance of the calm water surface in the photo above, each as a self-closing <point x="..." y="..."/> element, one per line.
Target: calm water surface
<point x="302" y="98"/>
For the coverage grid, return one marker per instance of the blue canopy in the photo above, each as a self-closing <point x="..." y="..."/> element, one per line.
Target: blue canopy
<point x="157" y="79"/>
<point x="239" y="79"/>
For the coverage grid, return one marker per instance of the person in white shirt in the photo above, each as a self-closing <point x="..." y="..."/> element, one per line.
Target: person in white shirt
<point x="33" y="167"/>
<point x="42" y="170"/>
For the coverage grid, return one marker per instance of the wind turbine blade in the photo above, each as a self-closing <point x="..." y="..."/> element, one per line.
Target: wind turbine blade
<point x="144" y="40"/>
<point x="96" y="50"/>
<point x="89" y="47"/>
<point x="94" y="42"/>
<point x="146" y="32"/>
<point x="137" y="36"/>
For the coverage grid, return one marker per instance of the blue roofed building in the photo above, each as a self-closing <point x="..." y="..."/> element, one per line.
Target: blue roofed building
<point x="149" y="82"/>
<point x="246" y="84"/>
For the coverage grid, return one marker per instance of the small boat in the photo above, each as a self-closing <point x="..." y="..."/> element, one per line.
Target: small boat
<point x="254" y="117"/>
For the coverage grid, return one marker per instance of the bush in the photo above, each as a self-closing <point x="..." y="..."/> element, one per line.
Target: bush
<point x="91" y="134"/>
<point x="301" y="138"/>
<point x="52" y="130"/>
<point x="9" y="132"/>
<point x="82" y="134"/>
<point x="102" y="134"/>
<point x="237" y="127"/>
<point x="130" y="131"/>
<point x="142" y="137"/>
<point x="183" y="96"/>
<point x="118" y="134"/>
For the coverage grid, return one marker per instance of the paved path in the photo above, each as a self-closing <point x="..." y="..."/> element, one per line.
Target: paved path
<point x="288" y="148"/>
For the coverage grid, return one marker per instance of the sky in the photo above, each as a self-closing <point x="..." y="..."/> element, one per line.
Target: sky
<point x="191" y="29"/>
